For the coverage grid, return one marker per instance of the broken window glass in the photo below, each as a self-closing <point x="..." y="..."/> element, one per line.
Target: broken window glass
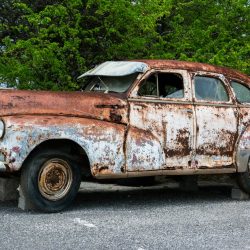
<point x="242" y="92"/>
<point x="164" y="85"/>
<point x="210" y="89"/>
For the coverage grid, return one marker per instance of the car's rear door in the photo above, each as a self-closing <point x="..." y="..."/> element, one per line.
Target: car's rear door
<point x="216" y="121"/>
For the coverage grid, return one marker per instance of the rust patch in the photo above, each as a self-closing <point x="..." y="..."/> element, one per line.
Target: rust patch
<point x="173" y="168"/>
<point x="182" y="140"/>
<point x="123" y="169"/>
<point x="104" y="170"/>
<point x="110" y="106"/>
<point x="7" y="105"/>
<point x="72" y="104"/>
<point x="213" y="148"/>
<point x="18" y="97"/>
<point x="170" y="168"/>
<point x="115" y="117"/>
<point x="16" y="149"/>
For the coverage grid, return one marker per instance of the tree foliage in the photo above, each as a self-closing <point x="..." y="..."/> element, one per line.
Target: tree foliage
<point x="46" y="44"/>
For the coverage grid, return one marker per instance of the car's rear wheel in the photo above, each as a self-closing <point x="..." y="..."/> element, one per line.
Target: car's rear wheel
<point x="243" y="179"/>
<point x="50" y="180"/>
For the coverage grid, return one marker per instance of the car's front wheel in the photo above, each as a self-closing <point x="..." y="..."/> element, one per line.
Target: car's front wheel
<point x="50" y="180"/>
<point x="243" y="179"/>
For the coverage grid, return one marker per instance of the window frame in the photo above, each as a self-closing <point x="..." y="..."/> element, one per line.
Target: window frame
<point x="217" y="76"/>
<point x="186" y="85"/>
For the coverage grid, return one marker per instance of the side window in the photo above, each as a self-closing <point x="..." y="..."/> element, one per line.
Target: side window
<point x="242" y="92"/>
<point x="149" y="87"/>
<point x="210" y="89"/>
<point x="164" y="85"/>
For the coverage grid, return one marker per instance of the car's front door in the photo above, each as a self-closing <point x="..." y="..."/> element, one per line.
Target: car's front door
<point x="217" y="120"/>
<point x="161" y="122"/>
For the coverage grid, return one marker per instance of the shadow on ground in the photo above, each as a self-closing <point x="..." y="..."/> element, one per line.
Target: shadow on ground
<point x="155" y="196"/>
<point x="112" y="196"/>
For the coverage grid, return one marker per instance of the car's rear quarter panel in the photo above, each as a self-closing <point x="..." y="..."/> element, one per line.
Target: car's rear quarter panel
<point x="243" y="144"/>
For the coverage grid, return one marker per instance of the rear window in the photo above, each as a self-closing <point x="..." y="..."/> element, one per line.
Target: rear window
<point x="241" y="91"/>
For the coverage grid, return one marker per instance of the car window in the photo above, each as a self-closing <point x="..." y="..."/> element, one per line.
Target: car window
<point x="164" y="85"/>
<point x="242" y="92"/>
<point x="149" y="87"/>
<point x="210" y="89"/>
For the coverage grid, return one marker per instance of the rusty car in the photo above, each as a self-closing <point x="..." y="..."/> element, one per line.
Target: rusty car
<point x="131" y="119"/>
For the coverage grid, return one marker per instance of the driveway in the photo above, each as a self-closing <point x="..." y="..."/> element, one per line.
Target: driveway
<point x="106" y="216"/>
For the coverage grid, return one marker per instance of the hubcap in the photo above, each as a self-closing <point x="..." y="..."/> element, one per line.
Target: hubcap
<point x="55" y="179"/>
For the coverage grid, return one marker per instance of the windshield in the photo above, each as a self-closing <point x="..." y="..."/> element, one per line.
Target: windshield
<point x="107" y="84"/>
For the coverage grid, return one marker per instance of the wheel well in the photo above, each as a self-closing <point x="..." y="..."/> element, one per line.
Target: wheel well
<point x="69" y="147"/>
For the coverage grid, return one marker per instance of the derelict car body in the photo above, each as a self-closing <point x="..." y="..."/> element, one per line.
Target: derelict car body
<point x="141" y="118"/>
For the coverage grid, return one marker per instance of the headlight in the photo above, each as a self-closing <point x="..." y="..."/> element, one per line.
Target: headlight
<point x="2" y="128"/>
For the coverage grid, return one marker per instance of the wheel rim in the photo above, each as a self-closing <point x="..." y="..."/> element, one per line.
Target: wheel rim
<point x="55" y="179"/>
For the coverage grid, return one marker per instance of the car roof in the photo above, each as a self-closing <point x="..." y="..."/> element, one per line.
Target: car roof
<point x="195" y="66"/>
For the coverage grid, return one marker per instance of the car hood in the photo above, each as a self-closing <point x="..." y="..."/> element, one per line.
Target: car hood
<point x="102" y="106"/>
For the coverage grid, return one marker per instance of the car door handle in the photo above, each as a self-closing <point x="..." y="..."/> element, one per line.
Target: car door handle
<point x="190" y="111"/>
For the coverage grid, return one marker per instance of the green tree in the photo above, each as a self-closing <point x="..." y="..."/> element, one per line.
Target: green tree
<point x="48" y="56"/>
<point x="47" y="44"/>
<point x="215" y="31"/>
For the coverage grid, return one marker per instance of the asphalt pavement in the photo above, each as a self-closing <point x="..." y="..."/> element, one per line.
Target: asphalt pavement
<point x="106" y="216"/>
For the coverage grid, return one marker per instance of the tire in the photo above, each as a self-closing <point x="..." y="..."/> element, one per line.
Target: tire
<point x="243" y="179"/>
<point x="50" y="180"/>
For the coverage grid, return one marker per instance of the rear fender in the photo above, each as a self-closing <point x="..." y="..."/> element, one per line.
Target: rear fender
<point x="243" y="151"/>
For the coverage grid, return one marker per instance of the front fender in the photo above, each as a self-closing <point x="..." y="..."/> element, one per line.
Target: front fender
<point x="102" y="141"/>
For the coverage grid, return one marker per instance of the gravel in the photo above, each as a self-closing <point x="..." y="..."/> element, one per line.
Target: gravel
<point x="105" y="216"/>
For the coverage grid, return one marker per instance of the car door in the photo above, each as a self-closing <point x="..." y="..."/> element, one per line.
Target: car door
<point x="161" y="122"/>
<point x="216" y="121"/>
